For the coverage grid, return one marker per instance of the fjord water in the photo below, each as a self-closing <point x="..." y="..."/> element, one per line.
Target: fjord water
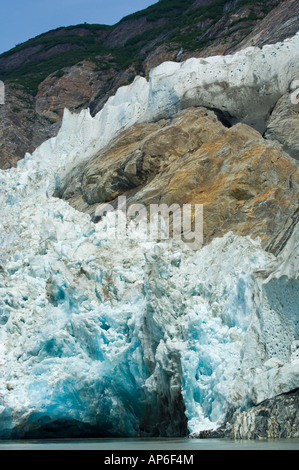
<point x="180" y="444"/>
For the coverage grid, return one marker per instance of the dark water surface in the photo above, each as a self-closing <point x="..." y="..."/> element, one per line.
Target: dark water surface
<point x="176" y="445"/>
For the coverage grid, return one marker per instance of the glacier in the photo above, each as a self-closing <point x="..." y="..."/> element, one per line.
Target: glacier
<point x="129" y="337"/>
<point x="245" y="86"/>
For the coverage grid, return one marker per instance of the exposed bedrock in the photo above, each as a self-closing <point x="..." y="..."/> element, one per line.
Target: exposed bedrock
<point x="275" y="418"/>
<point x="245" y="183"/>
<point x="129" y="337"/>
<point x="246" y="85"/>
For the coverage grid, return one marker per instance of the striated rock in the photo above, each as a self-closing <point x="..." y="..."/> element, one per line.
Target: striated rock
<point x="75" y="88"/>
<point x="275" y="418"/>
<point x="225" y="35"/>
<point x="96" y="330"/>
<point x="283" y="124"/>
<point x="279" y="24"/>
<point x="21" y="129"/>
<point x="245" y="183"/>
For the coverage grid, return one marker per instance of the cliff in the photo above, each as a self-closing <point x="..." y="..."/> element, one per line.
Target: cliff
<point x="80" y="66"/>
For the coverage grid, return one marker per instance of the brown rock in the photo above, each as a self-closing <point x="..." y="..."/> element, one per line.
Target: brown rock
<point x="283" y="125"/>
<point x="275" y="418"/>
<point x="246" y="184"/>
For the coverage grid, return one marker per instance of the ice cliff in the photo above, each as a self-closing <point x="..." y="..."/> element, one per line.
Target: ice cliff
<point x="245" y="86"/>
<point x="96" y="333"/>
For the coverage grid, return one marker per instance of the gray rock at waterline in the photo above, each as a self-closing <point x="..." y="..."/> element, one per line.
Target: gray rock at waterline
<point x="274" y="418"/>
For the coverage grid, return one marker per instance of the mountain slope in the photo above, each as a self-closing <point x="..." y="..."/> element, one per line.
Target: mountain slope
<point x="81" y="66"/>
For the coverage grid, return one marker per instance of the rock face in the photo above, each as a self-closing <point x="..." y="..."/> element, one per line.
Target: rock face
<point x="97" y="332"/>
<point x="278" y="25"/>
<point x="246" y="184"/>
<point x="275" y="418"/>
<point x="284" y="121"/>
<point x="97" y="328"/>
<point x="20" y="129"/>
<point x="75" y="88"/>
<point x="81" y="66"/>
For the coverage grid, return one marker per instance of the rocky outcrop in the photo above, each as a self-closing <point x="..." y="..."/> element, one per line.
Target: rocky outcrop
<point x="80" y="67"/>
<point x="21" y="129"/>
<point x="279" y="24"/>
<point x="275" y="418"/>
<point x="245" y="183"/>
<point x="77" y="86"/>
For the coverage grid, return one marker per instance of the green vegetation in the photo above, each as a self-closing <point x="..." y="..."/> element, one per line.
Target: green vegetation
<point x="178" y="26"/>
<point x="59" y="73"/>
<point x="162" y="9"/>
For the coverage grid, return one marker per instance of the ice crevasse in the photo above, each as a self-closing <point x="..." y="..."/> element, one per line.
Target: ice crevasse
<point x="96" y="333"/>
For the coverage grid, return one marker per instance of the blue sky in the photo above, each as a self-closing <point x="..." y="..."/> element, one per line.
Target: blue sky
<point x="21" y="20"/>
